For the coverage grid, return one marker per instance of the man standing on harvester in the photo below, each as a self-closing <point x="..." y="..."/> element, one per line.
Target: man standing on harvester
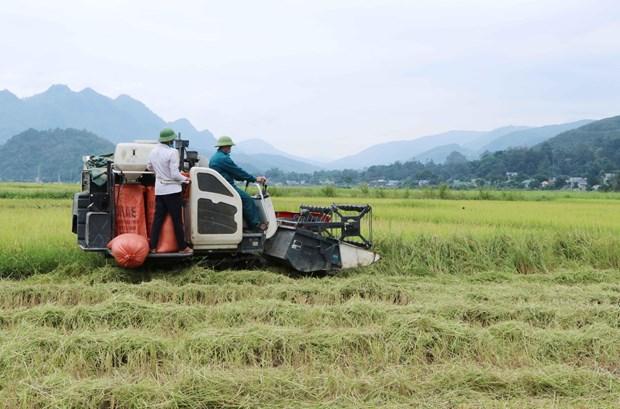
<point x="164" y="161"/>
<point x="221" y="162"/>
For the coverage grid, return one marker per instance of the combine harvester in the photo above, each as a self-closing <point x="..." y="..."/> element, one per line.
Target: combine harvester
<point x="118" y="194"/>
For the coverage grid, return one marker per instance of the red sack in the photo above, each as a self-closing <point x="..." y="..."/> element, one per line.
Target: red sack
<point x="129" y="249"/>
<point x="129" y="207"/>
<point x="167" y="240"/>
<point x="149" y="200"/>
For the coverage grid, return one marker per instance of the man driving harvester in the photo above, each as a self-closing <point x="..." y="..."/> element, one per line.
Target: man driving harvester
<point x="222" y="163"/>
<point x="164" y="161"/>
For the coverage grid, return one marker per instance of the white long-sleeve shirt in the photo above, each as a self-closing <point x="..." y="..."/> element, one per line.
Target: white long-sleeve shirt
<point x="164" y="161"/>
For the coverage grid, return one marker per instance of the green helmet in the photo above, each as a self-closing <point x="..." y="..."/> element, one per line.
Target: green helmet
<point x="167" y="135"/>
<point x="224" y="141"/>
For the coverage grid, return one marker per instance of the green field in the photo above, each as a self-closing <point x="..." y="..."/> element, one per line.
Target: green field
<point x="481" y="299"/>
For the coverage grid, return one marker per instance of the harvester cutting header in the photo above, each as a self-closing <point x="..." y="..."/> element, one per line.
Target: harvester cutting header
<point x="115" y="212"/>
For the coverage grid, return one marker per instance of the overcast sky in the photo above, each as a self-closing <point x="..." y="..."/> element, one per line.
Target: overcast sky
<point x="326" y="77"/>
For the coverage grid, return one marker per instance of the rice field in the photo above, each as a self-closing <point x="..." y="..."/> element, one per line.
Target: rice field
<point x="482" y="299"/>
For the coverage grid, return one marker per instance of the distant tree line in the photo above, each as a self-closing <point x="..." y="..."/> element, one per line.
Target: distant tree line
<point x="553" y="160"/>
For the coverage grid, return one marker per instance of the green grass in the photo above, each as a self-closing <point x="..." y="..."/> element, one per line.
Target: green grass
<point x="476" y="303"/>
<point x="38" y="190"/>
<point x="36" y="237"/>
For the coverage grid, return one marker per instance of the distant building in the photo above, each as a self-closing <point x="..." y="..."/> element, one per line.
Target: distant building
<point x="377" y="183"/>
<point x="385" y="183"/>
<point x="577" y="182"/>
<point x="527" y="183"/>
<point x="462" y="184"/>
<point x="424" y="182"/>
<point x="511" y="175"/>
<point x="607" y="178"/>
<point x="551" y="182"/>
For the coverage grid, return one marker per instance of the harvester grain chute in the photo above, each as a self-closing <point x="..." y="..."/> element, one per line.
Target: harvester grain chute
<point x="313" y="239"/>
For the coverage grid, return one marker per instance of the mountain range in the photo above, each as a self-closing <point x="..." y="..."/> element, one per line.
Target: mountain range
<point x="532" y="136"/>
<point x="120" y="119"/>
<point x="588" y="156"/>
<point x="436" y="148"/>
<point x="265" y="156"/>
<point x="124" y="119"/>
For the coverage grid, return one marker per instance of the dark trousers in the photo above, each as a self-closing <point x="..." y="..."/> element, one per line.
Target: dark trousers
<point x="251" y="213"/>
<point x="168" y="204"/>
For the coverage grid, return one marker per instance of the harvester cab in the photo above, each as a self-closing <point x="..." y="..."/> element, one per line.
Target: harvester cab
<point x="118" y="197"/>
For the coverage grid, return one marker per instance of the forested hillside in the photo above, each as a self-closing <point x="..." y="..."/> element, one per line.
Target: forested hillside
<point x="49" y="156"/>
<point x="589" y="151"/>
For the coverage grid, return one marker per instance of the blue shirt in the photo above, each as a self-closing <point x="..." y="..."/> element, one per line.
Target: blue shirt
<point x="221" y="162"/>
